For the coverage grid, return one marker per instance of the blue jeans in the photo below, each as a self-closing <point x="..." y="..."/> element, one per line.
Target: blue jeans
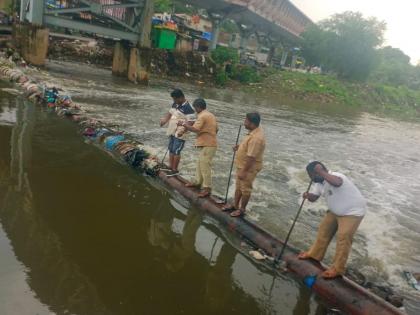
<point x="175" y="145"/>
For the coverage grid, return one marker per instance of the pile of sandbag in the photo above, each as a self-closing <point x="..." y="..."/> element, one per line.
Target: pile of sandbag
<point x="134" y="153"/>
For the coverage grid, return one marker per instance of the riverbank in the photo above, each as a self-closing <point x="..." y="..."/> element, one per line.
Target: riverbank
<point x="327" y="89"/>
<point x="292" y="86"/>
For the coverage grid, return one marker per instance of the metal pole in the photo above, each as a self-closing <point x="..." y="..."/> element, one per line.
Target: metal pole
<point x="291" y="229"/>
<point x="233" y="161"/>
<point x="164" y="157"/>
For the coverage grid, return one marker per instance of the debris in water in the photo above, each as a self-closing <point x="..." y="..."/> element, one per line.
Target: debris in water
<point x="257" y="255"/>
<point x="412" y="279"/>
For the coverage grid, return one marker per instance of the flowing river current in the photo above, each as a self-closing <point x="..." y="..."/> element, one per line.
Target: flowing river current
<point x="82" y="234"/>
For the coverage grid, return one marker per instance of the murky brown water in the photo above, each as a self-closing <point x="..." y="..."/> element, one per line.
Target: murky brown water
<point x="82" y="234"/>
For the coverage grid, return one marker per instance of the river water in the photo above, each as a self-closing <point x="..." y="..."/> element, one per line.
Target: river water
<point x="83" y="234"/>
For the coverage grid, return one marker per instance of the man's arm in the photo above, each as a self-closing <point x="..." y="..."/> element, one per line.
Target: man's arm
<point x="331" y="179"/>
<point x="189" y="126"/>
<point x="165" y="119"/>
<point x="311" y="197"/>
<point x="192" y="126"/>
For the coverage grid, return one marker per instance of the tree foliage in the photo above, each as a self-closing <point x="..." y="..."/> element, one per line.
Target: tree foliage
<point x="178" y="6"/>
<point x="162" y="6"/>
<point x="229" y="26"/>
<point x="394" y="67"/>
<point x="222" y="54"/>
<point x="345" y="44"/>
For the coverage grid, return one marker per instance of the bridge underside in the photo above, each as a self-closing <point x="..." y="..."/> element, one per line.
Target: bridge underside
<point x="115" y="19"/>
<point x="241" y="12"/>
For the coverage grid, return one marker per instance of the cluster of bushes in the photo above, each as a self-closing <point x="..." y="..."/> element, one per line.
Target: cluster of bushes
<point x="229" y="67"/>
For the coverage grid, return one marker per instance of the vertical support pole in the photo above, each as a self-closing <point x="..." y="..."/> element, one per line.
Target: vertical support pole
<point x="120" y="59"/>
<point x="146" y="24"/>
<point x="140" y="57"/>
<point x="215" y="33"/>
<point x="294" y="60"/>
<point x="244" y="42"/>
<point x="259" y="41"/>
<point x="36" y="12"/>
<point x="32" y="42"/>
<point x="283" y="58"/>
<point x="271" y="53"/>
<point x="139" y="65"/>
<point x="23" y="9"/>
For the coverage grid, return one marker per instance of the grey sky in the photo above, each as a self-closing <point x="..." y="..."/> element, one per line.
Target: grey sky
<point x="402" y="18"/>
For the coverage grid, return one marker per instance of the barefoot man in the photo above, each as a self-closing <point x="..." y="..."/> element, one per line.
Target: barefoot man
<point x="249" y="159"/>
<point x="347" y="208"/>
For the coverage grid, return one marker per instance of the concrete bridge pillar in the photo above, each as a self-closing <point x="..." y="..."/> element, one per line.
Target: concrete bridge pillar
<point x="32" y="43"/>
<point x="245" y="33"/>
<point x="244" y="42"/>
<point x="139" y="65"/>
<point x="30" y="37"/>
<point x="120" y="59"/>
<point x="215" y="32"/>
<point x="271" y="53"/>
<point x="133" y="60"/>
<point x="284" y="58"/>
<point x="294" y="60"/>
<point x="274" y="44"/>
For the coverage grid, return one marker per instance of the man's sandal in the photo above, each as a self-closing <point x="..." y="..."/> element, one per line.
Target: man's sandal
<point x="191" y="185"/>
<point x="204" y="194"/>
<point x="237" y="213"/>
<point x="228" y="208"/>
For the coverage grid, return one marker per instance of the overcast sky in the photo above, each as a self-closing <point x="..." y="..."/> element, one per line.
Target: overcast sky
<point x="402" y="18"/>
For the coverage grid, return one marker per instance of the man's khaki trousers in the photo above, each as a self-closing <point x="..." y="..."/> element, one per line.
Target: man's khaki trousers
<point x="204" y="164"/>
<point x="345" y="227"/>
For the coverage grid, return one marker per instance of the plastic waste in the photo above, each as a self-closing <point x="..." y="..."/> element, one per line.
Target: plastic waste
<point x="309" y="281"/>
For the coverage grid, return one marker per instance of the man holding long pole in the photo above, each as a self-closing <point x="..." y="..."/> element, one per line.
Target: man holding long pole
<point x="248" y="161"/>
<point x="347" y="208"/>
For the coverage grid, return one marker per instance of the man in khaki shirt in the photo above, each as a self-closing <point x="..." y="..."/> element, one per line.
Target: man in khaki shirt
<point x="249" y="159"/>
<point x="206" y="129"/>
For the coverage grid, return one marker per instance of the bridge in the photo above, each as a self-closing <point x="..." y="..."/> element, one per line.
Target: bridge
<point x="128" y="22"/>
<point x="276" y="17"/>
<point x="118" y="19"/>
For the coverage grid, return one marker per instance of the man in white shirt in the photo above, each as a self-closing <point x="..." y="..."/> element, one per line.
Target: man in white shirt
<point x="347" y="208"/>
<point x="180" y="111"/>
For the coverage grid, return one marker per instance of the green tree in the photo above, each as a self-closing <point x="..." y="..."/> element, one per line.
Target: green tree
<point x="394" y="67"/>
<point x="229" y="26"/>
<point x="346" y="44"/>
<point x="317" y="45"/>
<point x="222" y="54"/>
<point x="162" y="6"/>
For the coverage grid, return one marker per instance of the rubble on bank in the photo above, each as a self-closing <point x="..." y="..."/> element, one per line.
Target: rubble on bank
<point x="184" y="66"/>
<point x="91" y="52"/>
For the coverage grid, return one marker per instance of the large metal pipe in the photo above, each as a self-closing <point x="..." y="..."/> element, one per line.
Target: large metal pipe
<point x="340" y="292"/>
